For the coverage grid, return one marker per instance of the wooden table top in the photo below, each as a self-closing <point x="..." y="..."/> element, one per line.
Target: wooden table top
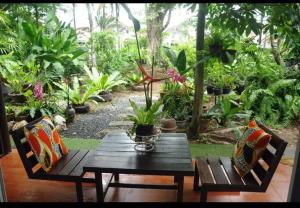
<point x="171" y="156"/>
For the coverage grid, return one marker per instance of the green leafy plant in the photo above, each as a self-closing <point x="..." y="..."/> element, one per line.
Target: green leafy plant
<point x="103" y="82"/>
<point x="75" y="95"/>
<point x="133" y="78"/>
<point x="144" y="117"/>
<point x="225" y="111"/>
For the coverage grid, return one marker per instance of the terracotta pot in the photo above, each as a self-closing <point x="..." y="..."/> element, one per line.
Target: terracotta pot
<point x="82" y="108"/>
<point x="168" y="125"/>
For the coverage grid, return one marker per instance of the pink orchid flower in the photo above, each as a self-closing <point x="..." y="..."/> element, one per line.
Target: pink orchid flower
<point x="38" y="90"/>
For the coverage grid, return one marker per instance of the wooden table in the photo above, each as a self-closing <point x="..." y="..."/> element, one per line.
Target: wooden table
<point x="116" y="155"/>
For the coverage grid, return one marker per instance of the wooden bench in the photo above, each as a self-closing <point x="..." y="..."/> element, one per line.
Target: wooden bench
<point x="68" y="169"/>
<point x="219" y="174"/>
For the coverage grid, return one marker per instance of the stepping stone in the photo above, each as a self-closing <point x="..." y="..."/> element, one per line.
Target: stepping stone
<point x="120" y="123"/>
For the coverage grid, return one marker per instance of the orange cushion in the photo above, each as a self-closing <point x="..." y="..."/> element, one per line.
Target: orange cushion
<point x="250" y="147"/>
<point x="45" y="143"/>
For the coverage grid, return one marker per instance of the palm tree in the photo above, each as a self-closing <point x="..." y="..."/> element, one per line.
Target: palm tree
<point x="74" y="17"/>
<point x="92" y="56"/>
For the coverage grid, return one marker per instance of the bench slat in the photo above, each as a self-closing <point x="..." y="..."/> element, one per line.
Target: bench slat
<point x="78" y="171"/>
<point x="268" y="157"/>
<point x="250" y="180"/>
<point x="217" y="170"/>
<point x="204" y="172"/>
<point x="73" y="163"/>
<point x="259" y="171"/>
<point x="63" y="162"/>
<point x="232" y="174"/>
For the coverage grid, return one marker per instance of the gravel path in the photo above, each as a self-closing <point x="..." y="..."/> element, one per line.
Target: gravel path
<point x="95" y="123"/>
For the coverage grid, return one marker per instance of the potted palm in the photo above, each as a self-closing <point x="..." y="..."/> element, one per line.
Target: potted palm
<point x="144" y="119"/>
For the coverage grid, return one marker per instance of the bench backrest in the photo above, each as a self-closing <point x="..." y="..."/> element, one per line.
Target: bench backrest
<point x="29" y="160"/>
<point x="271" y="156"/>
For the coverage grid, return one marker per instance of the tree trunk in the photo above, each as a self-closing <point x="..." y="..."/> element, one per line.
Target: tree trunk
<point x="275" y="51"/>
<point x="261" y="30"/>
<point x="193" y="129"/>
<point x="117" y="24"/>
<point x="93" y="60"/>
<point x="155" y="28"/>
<point x="74" y="18"/>
<point x="36" y="14"/>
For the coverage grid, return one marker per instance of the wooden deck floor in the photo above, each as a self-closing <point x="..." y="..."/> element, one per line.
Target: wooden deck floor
<point x="21" y="189"/>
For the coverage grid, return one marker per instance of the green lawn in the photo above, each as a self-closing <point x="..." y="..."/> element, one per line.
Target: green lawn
<point x="196" y="149"/>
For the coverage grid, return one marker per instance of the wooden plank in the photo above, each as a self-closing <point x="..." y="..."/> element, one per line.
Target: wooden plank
<point x="128" y="141"/>
<point x="217" y="171"/>
<point x="73" y="163"/>
<point x="78" y="171"/>
<point x="157" y="145"/>
<point x="131" y="149"/>
<point x="250" y="180"/>
<point x="63" y="162"/>
<point x="268" y="157"/>
<point x="140" y="168"/>
<point x="204" y="172"/>
<point x="232" y="174"/>
<point x="26" y="146"/>
<point x="259" y="171"/>
<point x="143" y="159"/>
<point x="153" y="154"/>
<point x="32" y="160"/>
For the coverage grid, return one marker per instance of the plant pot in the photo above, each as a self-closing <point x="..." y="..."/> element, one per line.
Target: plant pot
<point x="70" y="114"/>
<point x="168" y="125"/>
<point x="107" y="96"/>
<point x="218" y="91"/>
<point x="81" y="108"/>
<point x="239" y="89"/>
<point x="204" y="124"/>
<point x="226" y="91"/>
<point x="17" y="98"/>
<point x="38" y="114"/>
<point x="143" y="130"/>
<point x="210" y="89"/>
<point x="224" y="56"/>
<point x="215" y="50"/>
<point x="138" y="88"/>
<point x="10" y="117"/>
<point x="21" y="118"/>
<point x="181" y="124"/>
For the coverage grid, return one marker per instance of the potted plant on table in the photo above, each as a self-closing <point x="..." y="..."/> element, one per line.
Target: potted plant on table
<point x="144" y="119"/>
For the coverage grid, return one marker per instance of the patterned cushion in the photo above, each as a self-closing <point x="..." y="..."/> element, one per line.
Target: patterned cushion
<point x="45" y="143"/>
<point x="250" y="147"/>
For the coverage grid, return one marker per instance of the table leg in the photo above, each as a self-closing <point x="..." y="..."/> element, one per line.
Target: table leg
<point x="99" y="187"/>
<point x="180" y="181"/>
<point x="175" y="179"/>
<point x="116" y="176"/>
